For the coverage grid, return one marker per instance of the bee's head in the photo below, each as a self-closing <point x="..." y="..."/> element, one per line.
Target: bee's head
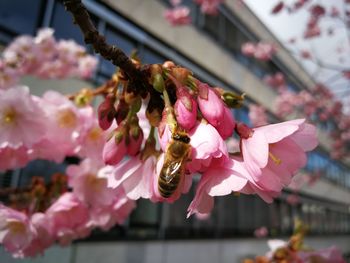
<point x="181" y="136"/>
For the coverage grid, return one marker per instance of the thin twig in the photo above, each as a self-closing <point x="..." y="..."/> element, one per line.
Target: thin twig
<point x="110" y="52"/>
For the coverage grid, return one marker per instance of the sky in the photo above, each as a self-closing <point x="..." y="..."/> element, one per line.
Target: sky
<point x="326" y="48"/>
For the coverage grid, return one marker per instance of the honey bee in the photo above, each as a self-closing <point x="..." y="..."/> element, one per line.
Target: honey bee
<point x="176" y="156"/>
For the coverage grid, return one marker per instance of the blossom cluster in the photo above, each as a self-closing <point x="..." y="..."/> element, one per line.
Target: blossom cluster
<point x="316" y="12"/>
<point x="45" y="57"/>
<point x="202" y="114"/>
<point x="321" y="107"/>
<point x="147" y="143"/>
<point x="52" y="127"/>
<point x="179" y="14"/>
<point x="262" y="50"/>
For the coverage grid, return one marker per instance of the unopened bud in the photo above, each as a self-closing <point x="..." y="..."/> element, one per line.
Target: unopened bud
<point x="154" y="117"/>
<point x="168" y="64"/>
<point x="180" y="74"/>
<point x="135" y="132"/>
<point x="118" y="136"/>
<point x="156" y="69"/>
<point x="106" y="112"/>
<point x="158" y="83"/>
<point x="129" y="97"/>
<point x="136" y="106"/>
<point x="121" y="111"/>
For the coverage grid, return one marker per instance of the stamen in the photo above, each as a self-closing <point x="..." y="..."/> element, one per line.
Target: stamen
<point x="275" y="159"/>
<point x="9" y="116"/>
<point x="67" y="119"/>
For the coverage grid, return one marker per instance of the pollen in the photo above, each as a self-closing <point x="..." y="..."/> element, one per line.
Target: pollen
<point x="95" y="134"/>
<point x="67" y="119"/>
<point x="9" y="116"/>
<point x="94" y="182"/>
<point x="16" y="227"/>
<point x="276" y="160"/>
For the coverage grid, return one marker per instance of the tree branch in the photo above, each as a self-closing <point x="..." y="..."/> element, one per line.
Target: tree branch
<point x="109" y="52"/>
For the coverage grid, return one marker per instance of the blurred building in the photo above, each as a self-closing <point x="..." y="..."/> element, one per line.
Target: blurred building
<point x="210" y="47"/>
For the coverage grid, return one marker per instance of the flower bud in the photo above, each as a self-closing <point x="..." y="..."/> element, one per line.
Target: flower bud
<point x="106" y="112"/>
<point x="226" y="127"/>
<point x="180" y="74"/>
<point x="185" y="109"/>
<point x="122" y="111"/>
<point x="115" y="149"/>
<point x="135" y="140"/>
<point x="210" y="104"/>
<point x="244" y="131"/>
<point x="168" y="64"/>
<point x="158" y="83"/>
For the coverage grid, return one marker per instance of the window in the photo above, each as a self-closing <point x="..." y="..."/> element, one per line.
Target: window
<point x="114" y="37"/>
<point x="20" y="17"/>
<point x="62" y="23"/>
<point x="151" y="57"/>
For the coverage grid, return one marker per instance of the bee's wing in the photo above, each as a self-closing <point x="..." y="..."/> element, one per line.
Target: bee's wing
<point x="174" y="169"/>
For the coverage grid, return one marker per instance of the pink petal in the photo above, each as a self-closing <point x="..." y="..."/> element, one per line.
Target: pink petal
<point x="255" y="152"/>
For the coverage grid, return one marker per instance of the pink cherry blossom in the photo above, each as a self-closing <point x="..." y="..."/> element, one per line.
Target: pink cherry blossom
<point x="105" y="217"/>
<point x="178" y="16"/>
<point x="91" y="145"/>
<point x="276" y="81"/>
<point x="209" y="7"/>
<point x="13" y="158"/>
<point x="262" y="50"/>
<point x="211" y="106"/>
<point x="22" y="120"/>
<point x="248" y="49"/>
<point x="41" y="241"/>
<point x="222" y="178"/>
<point x="266" y="151"/>
<point x="66" y="125"/>
<point x="261" y="232"/>
<point x="164" y="132"/>
<point x="135" y="176"/>
<point x="67" y="215"/>
<point x="23" y="54"/>
<point x="45" y="57"/>
<point x="16" y="230"/>
<point x="204" y="150"/>
<point x="89" y="183"/>
<point x="8" y="75"/>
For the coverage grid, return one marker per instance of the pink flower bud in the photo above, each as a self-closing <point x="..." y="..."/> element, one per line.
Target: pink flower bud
<point x="114" y="149"/>
<point x="135" y="140"/>
<point x="210" y="104"/>
<point x="226" y="127"/>
<point x="185" y="109"/>
<point x="106" y="113"/>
